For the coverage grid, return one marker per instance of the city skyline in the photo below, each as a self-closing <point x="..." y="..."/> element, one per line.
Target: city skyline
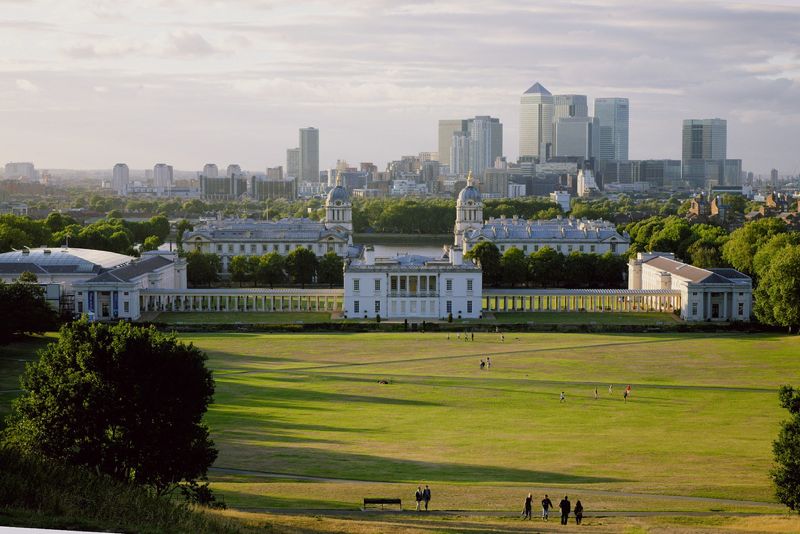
<point x="87" y="85"/>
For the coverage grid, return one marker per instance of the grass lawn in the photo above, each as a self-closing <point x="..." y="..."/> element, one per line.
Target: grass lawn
<point x="241" y="317"/>
<point x="13" y="358"/>
<point x="700" y="421"/>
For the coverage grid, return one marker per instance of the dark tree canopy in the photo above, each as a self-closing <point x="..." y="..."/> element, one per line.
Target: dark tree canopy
<point x="786" y="450"/>
<point x="487" y="255"/>
<point x="301" y="264"/>
<point x="24" y="310"/>
<point x="515" y="266"/>
<point x="777" y="296"/>
<point x="271" y="269"/>
<point x="124" y="400"/>
<point x="331" y="269"/>
<point x="202" y="269"/>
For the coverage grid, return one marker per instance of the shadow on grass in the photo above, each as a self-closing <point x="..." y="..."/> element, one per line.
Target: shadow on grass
<point x="324" y="463"/>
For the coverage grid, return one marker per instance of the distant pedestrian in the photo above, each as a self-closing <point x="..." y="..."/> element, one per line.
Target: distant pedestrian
<point x="488" y="362"/>
<point x="448" y="336"/>
<point x="546" y="505"/>
<point x="563" y="397"/>
<point x="566" y="508"/>
<point x="426" y="496"/>
<point x="625" y="396"/>
<point x="578" y="512"/>
<point x="418" y="496"/>
<point x="611" y="389"/>
<point x="458" y="336"/>
<point x="483" y="364"/>
<point x="595" y="393"/>
<point x="502" y="338"/>
<point x="628" y="390"/>
<point x="527" y="510"/>
<point x="472" y="335"/>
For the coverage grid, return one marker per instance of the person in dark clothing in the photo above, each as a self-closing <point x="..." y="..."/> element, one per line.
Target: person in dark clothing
<point x="578" y="512"/>
<point x="527" y="512"/>
<point x="426" y="496"/>
<point x="418" y="496"/>
<point x="546" y="505"/>
<point x="566" y="508"/>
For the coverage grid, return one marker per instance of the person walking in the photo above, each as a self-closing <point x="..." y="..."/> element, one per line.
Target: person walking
<point x="566" y="508"/>
<point x="611" y="389"/>
<point x="426" y="496"/>
<point x="625" y="396"/>
<point x="527" y="511"/>
<point x="488" y="362"/>
<point x="595" y="393"/>
<point x="563" y="397"/>
<point x="418" y="497"/>
<point x="546" y="505"/>
<point x="483" y="365"/>
<point x="472" y="336"/>
<point x="578" y="512"/>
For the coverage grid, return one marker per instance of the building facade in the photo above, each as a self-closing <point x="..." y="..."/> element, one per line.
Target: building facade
<point x="162" y="177"/>
<point x="448" y="127"/>
<point x="485" y="143"/>
<point x="409" y="286"/>
<point x="309" y="154"/>
<point x="613" y="116"/>
<point x="706" y="294"/>
<point x="704" y="151"/>
<point x="120" y="177"/>
<point x="576" y="136"/>
<point x="536" y="122"/>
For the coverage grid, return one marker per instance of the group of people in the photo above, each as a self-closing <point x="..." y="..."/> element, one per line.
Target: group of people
<point x="423" y="497"/>
<point x="625" y="395"/>
<point x="565" y="506"/>
<point x="487" y="363"/>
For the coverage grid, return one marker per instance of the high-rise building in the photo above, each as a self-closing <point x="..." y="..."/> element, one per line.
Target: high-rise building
<point x="486" y="143"/>
<point x="576" y="136"/>
<point x="569" y="106"/>
<point x="446" y="130"/>
<point x="162" y="176"/>
<point x="536" y="122"/>
<point x="705" y="148"/>
<point x="275" y="173"/>
<point x="309" y="154"/>
<point x="19" y="170"/>
<point x="293" y="162"/>
<point x="613" y="115"/>
<point x="233" y="170"/>
<point x="120" y="177"/>
<point x="773" y="177"/>
<point x="460" y="153"/>
<point x="210" y="170"/>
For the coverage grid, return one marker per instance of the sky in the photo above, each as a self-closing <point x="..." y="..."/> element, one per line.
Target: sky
<point x="88" y="83"/>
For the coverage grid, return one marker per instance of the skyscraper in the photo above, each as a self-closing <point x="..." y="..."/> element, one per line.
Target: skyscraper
<point x="120" y="179"/>
<point x="486" y="143"/>
<point x="705" y="148"/>
<point x="460" y="153"/>
<point x="233" y="170"/>
<point x="309" y="155"/>
<point x="162" y="176"/>
<point x="447" y="128"/>
<point x="577" y="137"/>
<point x="293" y="162"/>
<point x="536" y="122"/>
<point x="210" y="170"/>
<point x="569" y="106"/>
<point x="613" y="117"/>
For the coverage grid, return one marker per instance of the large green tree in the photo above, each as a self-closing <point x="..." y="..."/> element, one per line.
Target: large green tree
<point x="786" y="450"/>
<point x="487" y="255"/>
<point x="301" y="264"/>
<point x="546" y="267"/>
<point x="23" y="309"/>
<point x="331" y="269"/>
<point x="124" y="400"/>
<point x="239" y="267"/>
<point x="202" y="269"/>
<point x="271" y="269"/>
<point x="514" y="265"/>
<point x="741" y="248"/>
<point x="777" y="296"/>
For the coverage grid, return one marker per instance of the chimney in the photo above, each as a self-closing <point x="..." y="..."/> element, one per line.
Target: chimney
<point x="456" y="256"/>
<point x="369" y="255"/>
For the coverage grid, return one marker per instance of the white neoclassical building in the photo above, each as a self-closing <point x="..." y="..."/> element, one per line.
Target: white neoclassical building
<point x="564" y="235"/>
<point x="246" y="237"/>
<point x="410" y="286"/>
<point x="706" y="294"/>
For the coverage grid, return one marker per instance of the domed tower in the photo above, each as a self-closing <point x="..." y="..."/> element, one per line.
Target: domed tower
<point x="338" y="210"/>
<point x="469" y="210"/>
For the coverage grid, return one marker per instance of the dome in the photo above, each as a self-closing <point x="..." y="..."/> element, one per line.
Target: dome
<point x="469" y="193"/>
<point x="339" y="194"/>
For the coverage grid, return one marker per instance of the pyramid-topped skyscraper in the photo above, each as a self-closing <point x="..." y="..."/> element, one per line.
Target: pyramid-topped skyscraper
<point x="536" y="122"/>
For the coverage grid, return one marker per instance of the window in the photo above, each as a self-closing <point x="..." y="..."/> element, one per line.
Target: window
<point x="393" y="283"/>
<point x="377" y="306"/>
<point x="502" y="248"/>
<point x="356" y="284"/>
<point x="252" y="249"/>
<point x="126" y="306"/>
<point x="592" y="248"/>
<point x="469" y="285"/>
<point x="275" y="248"/>
<point x="694" y="308"/>
<point x="356" y="306"/>
<point x="448" y="284"/>
<point x="569" y="248"/>
<point x="449" y="306"/>
<point x="402" y="283"/>
<point x="219" y="248"/>
<point x="469" y="306"/>
<point x="377" y="284"/>
<point x="230" y="248"/>
<point x="287" y="248"/>
<point x="741" y="308"/>
<point x="581" y="248"/>
<point x="80" y="307"/>
<point x="536" y="248"/>
<point x="525" y="249"/>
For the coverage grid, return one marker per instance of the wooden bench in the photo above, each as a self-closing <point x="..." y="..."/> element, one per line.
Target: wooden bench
<point x="382" y="502"/>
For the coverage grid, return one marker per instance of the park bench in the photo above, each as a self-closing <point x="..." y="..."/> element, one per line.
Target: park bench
<point x="368" y="501"/>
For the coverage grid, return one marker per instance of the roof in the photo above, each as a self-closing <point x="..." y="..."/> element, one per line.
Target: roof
<point x="696" y="274"/>
<point x="537" y="88"/>
<point x="517" y="229"/>
<point x="135" y="269"/>
<point x="469" y="193"/>
<point x="63" y="260"/>
<point x="338" y="193"/>
<point x="288" y="229"/>
<point x="411" y="262"/>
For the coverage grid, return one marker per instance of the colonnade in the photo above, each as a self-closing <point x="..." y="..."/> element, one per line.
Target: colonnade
<point x="578" y="300"/>
<point x="198" y="300"/>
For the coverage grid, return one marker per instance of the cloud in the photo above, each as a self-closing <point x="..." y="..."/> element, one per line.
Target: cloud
<point x="27" y="86"/>
<point x="188" y="43"/>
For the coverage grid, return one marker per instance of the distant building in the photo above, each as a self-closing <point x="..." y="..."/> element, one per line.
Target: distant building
<point x="210" y="170"/>
<point x="562" y="198"/>
<point x="613" y="116"/>
<point x="486" y="142"/>
<point x="309" y="154"/>
<point x="120" y="178"/>
<point x="706" y="294"/>
<point x="293" y="163"/>
<point x="576" y="136"/>
<point x="266" y="188"/>
<point x="229" y="187"/>
<point x="446" y="130"/>
<point x="410" y="286"/>
<point x="773" y="177"/>
<point x="162" y="177"/>
<point x="275" y="173"/>
<point x="536" y="122"/>
<point x="704" y="151"/>
<point x="587" y="186"/>
<point x="460" y="153"/>
<point x="19" y="171"/>
<point x="565" y="106"/>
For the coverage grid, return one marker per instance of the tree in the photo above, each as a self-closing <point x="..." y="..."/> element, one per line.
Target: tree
<point x="301" y="264"/>
<point x="271" y="269"/>
<point x="331" y="269"/>
<point x="202" y="269"/>
<point x="151" y="433"/>
<point x="23" y="309"/>
<point x="741" y="248"/>
<point x="514" y="266"/>
<point x="151" y="243"/>
<point x="786" y="449"/>
<point x="487" y="255"/>
<point x="28" y="277"/>
<point x="777" y="296"/>
<point x="546" y="267"/>
<point x="183" y="227"/>
<point x="239" y="267"/>
<point x="766" y="252"/>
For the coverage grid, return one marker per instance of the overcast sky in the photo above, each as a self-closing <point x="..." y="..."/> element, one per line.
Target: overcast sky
<point x="85" y="84"/>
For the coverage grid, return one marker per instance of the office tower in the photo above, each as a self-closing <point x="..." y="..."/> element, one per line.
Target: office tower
<point x="293" y="163"/>
<point x="569" y="106"/>
<point x="773" y="177"/>
<point x="577" y="137"/>
<point x="536" y="122"/>
<point x="17" y="170"/>
<point x="233" y="170"/>
<point x="275" y="173"/>
<point x="210" y="170"/>
<point x="119" y="179"/>
<point x="309" y="154"/>
<point x="446" y="130"/>
<point x="486" y="143"/>
<point x="704" y="151"/>
<point x="613" y="117"/>
<point x="162" y="176"/>
<point x="460" y="153"/>
<point x="268" y="188"/>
